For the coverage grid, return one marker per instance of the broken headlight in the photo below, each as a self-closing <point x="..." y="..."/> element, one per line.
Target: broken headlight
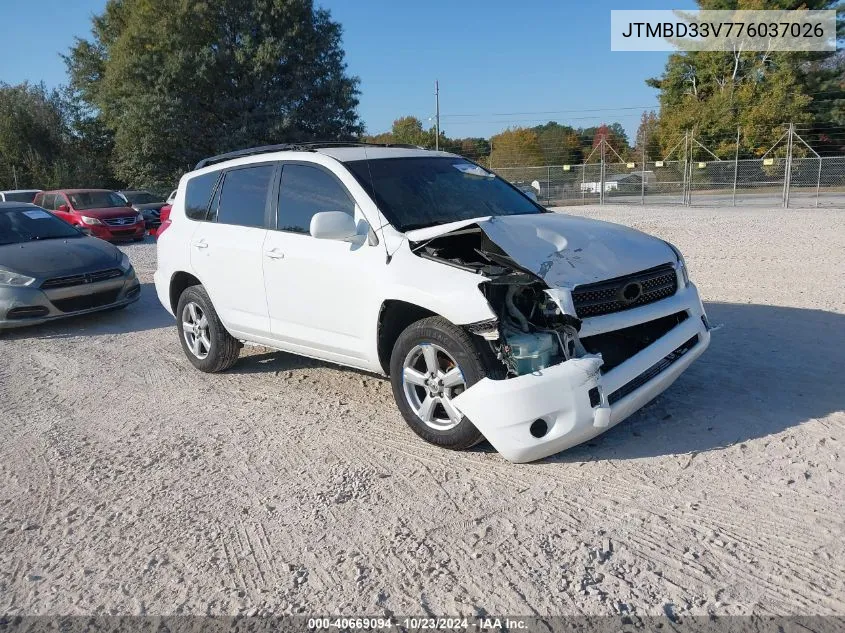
<point x="682" y="264"/>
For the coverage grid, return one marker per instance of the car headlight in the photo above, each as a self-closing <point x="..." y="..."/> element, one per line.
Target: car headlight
<point x="86" y="220"/>
<point x="15" y="280"/>
<point x="682" y="264"/>
<point x="139" y="217"/>
<point x="125" y="263"/>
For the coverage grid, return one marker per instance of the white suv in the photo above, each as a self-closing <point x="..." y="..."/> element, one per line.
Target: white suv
<point x="493" y="317"/>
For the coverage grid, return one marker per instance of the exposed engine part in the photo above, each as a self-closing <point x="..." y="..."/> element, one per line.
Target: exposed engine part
<point x="530" y="352"/>
<point x="535" y="333"/>
<point x="513" y="310"/>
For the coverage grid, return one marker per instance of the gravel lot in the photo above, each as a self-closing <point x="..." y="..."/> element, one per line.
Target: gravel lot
<point x="131" y="483"/>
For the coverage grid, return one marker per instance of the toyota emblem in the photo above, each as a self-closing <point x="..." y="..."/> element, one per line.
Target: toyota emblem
<point x="632" y="291"/>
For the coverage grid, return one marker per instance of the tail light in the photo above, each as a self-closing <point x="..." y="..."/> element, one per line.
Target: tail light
<point x="164" y="216"/>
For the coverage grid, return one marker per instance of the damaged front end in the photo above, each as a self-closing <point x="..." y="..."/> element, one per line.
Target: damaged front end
<point x="532" y="331"/>
<point x="573" y="366"/>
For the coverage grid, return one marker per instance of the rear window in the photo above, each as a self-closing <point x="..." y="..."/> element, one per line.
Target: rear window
<point x="20" y="196"/>
<point x="141" y="197"/>
<point x="82" y="200"/>
<point x="243" y="198"/>
<point x="198" y="195"/>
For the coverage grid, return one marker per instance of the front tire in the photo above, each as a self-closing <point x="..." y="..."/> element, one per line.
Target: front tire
<point x="432" y="362"/>
<point x="205" y="341"/>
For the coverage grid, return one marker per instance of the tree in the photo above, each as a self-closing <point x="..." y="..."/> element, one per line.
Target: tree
<point x="560" y="144"/>
<point x="217" y="76"/>
<point x="648" y="134"/>
<point x="409" y="130"/>
<point x="32" y="137"/>
<point x="516" y="147"/>
<point x="715" y="92"/>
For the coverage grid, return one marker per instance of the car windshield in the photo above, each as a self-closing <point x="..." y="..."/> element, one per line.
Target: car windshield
<point x="141" y="197"/>
<point x="415" y="193"/>
<point x="26" y="224"/>
<point x="82" y="200"/>
<point x="20" y="196"/>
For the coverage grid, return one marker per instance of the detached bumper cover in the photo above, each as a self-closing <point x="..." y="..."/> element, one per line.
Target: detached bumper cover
<point x="504" y="410"/>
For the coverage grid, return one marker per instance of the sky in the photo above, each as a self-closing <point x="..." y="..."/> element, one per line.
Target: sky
<point x="500" y="63"/>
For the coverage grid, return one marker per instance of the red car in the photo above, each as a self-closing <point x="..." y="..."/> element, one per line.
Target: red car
<point x="164" y="217"/>
<point x="98" y="212"/>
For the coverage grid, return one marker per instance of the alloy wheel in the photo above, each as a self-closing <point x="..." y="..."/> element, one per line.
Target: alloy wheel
<point x="195" y="330"/>
<point x="431" y="379"/>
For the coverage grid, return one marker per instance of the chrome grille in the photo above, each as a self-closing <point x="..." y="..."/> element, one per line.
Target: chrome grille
<point x="78" y="280"/>
<point x="123" y="221"/>
<point x="623" y="293"/>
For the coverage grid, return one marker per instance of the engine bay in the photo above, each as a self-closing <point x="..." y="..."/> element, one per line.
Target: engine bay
<point x="531" y="331"/>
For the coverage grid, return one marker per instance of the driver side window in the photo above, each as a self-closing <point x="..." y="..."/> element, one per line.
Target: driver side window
<point x="306" y="191"/>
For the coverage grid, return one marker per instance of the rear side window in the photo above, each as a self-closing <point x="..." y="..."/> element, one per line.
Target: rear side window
<point x="243" y="197"/>
<point x="49" y="201"/>
<point x="308" y="190"/>
<point x="198" y="194"/>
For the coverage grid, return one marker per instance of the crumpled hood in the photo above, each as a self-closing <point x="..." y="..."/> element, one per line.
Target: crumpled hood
<point x="57" y="258"/>
<point x="563" y="250"/>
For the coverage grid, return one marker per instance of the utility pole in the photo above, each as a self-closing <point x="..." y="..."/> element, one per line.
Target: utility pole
<point x="437" y="114"/>
<point x="15" y="174"/>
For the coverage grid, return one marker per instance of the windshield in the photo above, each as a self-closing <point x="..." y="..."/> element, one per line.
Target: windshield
<point x="141" y="197"/>
<point x="32" y="223"/>
<point x="413" y="193"/>
<point x="83" y="200"/>
<point x="20" y="196"/>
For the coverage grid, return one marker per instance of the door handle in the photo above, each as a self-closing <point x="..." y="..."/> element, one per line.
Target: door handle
<point x="200" y="244"/>
<point x="274" y="253"/>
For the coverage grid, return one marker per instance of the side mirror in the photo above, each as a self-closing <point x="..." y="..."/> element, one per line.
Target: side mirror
<point x="333" y="225"/>
<point x="63" y="208"/>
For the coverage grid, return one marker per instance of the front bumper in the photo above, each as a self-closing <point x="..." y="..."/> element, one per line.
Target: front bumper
<point x="106" y="232"/>
<point x="505" y="410"/>
<point x="30" y="306"/>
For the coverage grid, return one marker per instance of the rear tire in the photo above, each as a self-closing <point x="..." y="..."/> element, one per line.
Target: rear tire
<point x="432" y="362"/>
<point x="207" y="344"/>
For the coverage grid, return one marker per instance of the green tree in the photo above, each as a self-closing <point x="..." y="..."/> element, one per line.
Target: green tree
<point x="648" y="137"/>
<point x="409" y="130"/>
<point x="516" y="147"/>
<point x="215" y="76"/>
<point x="714" y="92"/>
<point x="32" y="137"/>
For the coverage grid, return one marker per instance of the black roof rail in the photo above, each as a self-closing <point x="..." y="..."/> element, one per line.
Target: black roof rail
<point x="252" y="151"/>
<point x="292" y="147"/>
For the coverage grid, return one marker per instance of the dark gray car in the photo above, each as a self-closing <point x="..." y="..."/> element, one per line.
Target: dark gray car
<point x="147" y="204"/>
<point x="50" y="270"/>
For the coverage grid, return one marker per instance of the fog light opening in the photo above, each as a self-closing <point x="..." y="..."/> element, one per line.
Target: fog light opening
<point x="539" y="428"/>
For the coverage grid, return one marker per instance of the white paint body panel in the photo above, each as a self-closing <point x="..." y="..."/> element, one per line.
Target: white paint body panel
<point x="323" y="298"/>
<point x="503" y="410"/>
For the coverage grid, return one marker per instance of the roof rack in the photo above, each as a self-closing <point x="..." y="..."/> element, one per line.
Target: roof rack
<point x="293" y="147"/>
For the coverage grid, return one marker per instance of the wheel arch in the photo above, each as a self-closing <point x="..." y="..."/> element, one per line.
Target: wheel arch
<point x="179" y="282"/>
<point x="394" y="316"/>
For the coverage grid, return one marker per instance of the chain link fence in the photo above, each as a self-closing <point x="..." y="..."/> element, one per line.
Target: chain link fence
<point x="786" y="182"/>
